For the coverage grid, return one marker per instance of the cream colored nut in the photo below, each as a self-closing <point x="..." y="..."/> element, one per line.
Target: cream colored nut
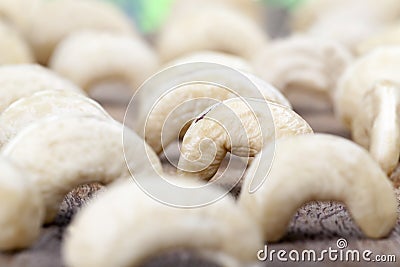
<point x="44" y="104"/>
<point x="91" y="57"/>
<point x="19" y="13"/>
<point x="55" y="20"/>
<point x="319" y="168"/>
<point x="210" y="28"/>
<point x="21" y="208"/>
<point x="216" y="58"/>
<point x="346" y="21"/>
<point x="367" y="101"/>
<point x="64" y="152"/>
<point x="125" y="215"/>
<point x="239" y="126"/>
<point x="19" y="81"/>
<point x="303" y="62"/>
<point x="162" y="119"/>
<point x="13" y="48"/>
<point x="389" y="36"/>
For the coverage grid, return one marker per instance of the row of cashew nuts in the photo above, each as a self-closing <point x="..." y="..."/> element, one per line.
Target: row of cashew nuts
<point x="47" y="153"/>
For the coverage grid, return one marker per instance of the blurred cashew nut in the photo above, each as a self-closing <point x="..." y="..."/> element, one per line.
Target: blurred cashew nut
<point x="318" y="168"/>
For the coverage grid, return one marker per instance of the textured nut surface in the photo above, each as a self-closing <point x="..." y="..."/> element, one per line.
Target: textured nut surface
<point x="13" y="48"/>
<point x="21" y="208"/>
<point x="303" y="62"/>
<point x="43" y="104"/>
<point x="126" y="217"/>
<point x="19" y="81"/>
<point x="319" y="167"/>
<point x="241" y="127"/>
<point x="89" y="57"/>
<point x="62" y="153"/>
<point x="55" y="20"/>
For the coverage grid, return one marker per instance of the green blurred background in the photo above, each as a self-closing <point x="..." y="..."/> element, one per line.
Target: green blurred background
<point x="149" y="14"/>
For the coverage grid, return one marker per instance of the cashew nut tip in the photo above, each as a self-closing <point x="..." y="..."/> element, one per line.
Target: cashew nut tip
<point x="125" y="215"/>
<point x="90" y="57"/>
<point x="21" y="211"/>
<point x="43" y="104"/>
<point x="367" y="100"/>
<point x="18" y="81"/>
<point x="239" y="126"/>
<point x="61" y="153"/>
<point x="303" y="63"/>
<point x="336" y="169"/>
<point x="163" y="112"/>
<point x="53" y="22"/>
<point x="223" y="27"/>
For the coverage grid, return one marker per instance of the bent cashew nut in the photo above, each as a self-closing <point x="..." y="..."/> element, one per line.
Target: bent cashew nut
<point x="239" y="126"/>
<point x="332" y="171"/>
<point x="131" y="212"/>
<point x="103" y="56"/>
<point x="162" y="115"/>
<point x="367" y="100"/>
<point x="19" y="81"/>
<point x="21" y="208"/>
<point x="302" y="62"/>
<point x="62" y="153"/>
<point x="45" y="104"/>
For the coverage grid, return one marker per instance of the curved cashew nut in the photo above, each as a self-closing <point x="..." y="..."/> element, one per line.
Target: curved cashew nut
<point x="45" y="104"/>
<point x="13" y="48"/>
<point x="125" y="206"/>
<point x="62" y="153"/>
<point x="53" y="22"/>
<point x="21" y="209"/>
<point x="390" y="36"/>
<point x="102" y="56"/>
<point x="214" y="57"/>
<point x="367" y="100"/>
<point x="158" y="108"/>
<point x="209" y="28"/>
<point x="336" y="169"/>
<point x="19" y="81"/>
<point x="219" y="129"/>
<point x="302" y="62"/>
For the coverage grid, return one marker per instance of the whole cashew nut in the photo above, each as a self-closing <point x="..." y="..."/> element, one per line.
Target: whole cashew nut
<point x="209" y="28"/>
<point x="89" y="57"/>
<point x="367" y="100"/>
<point x="303" y="62"/>
<point x="335" y="169"/>
<point x="55" y="20"/>
<point x="219" y="130"/>
<point x="64" y="152"/>
<point x="157" y="108"/>
<point x="135" y="237"/>
<point x="21" y="208"/>
<point x="17" y="81"/>
<point x="44" y="104"/>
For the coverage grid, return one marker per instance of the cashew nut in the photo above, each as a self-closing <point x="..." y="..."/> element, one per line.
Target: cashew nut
<point x="136" y="236"/>
<point x="241" y="127"/>
<point x="162" y="114"/>
<point x="45" y="104"/>
<point x="303" y="62"/>
<point x="64" y="152"/>
<point x="13" y="49"/>
<point x="390" y="36"/>
<point x="209" y="28"/>
<point x="21" y="208"/>
<point x="323" y="168"/>
<point x="89" y="57"/>
<point x="17" y="81"/>
<point x="19" y="13"/>
<point x="367" y="100"/>
<point x="55" y="20"/>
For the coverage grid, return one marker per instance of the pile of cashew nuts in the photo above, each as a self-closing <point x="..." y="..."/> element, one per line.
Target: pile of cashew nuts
<point x="54" y="137"/>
